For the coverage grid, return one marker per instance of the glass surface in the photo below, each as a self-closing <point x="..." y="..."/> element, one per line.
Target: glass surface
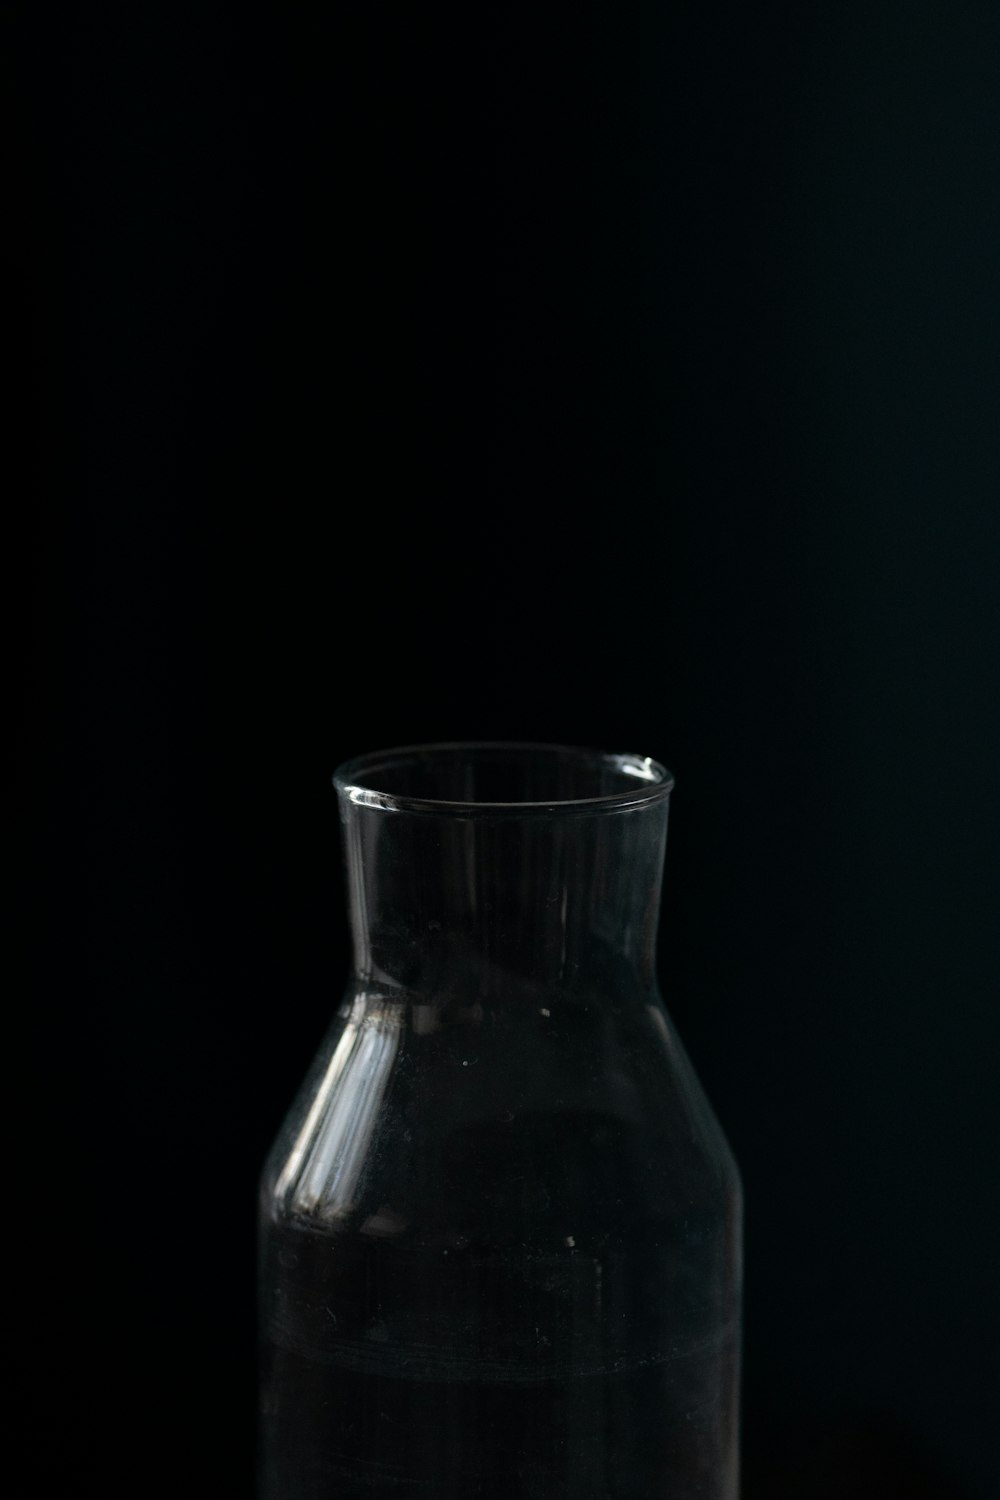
<point x="500" y="1226"/>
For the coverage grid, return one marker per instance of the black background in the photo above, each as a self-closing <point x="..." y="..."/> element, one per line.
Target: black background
<point x="619" y="375"/>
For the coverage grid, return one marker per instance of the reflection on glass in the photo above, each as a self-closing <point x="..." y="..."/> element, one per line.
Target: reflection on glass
<point x="324" y="1166"/>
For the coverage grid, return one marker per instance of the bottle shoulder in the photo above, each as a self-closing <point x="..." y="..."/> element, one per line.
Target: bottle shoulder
<point x="478" y="1119"/>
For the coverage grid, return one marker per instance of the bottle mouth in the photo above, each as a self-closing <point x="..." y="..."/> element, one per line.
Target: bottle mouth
<point x="485" y="777"/>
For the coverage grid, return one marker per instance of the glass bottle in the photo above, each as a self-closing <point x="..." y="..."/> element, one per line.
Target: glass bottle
<point x="500" y="1227"/>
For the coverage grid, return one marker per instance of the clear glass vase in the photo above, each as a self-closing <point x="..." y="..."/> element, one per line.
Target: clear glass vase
<point x="500" y="1227"/>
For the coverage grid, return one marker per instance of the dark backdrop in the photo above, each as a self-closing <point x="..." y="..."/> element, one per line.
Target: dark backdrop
<point x="623" y="375"/>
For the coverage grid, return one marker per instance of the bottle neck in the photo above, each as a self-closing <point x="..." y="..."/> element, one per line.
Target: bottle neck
<point x="448" y="906"/>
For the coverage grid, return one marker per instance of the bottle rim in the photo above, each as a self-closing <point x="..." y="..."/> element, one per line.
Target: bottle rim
<point x="644" y="781"/>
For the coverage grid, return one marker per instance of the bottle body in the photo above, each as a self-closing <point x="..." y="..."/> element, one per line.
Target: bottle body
<point x="500" y="1233"/>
